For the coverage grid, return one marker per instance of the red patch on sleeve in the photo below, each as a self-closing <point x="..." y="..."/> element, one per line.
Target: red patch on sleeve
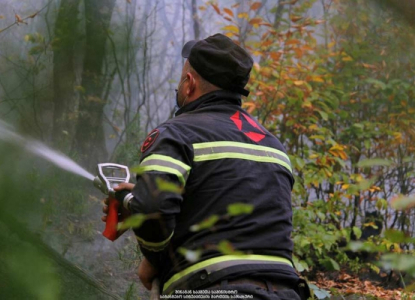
<point x="151" y="137"/>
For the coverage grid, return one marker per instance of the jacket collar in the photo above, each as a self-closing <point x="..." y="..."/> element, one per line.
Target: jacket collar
<point x="213" y="98"/>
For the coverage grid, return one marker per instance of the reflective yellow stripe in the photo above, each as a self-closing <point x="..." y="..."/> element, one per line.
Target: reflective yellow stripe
<point x="168" y="159"/>
<point x="242" y="156"/>
<point x="154" y="246"/>
<point x="225" y="149"/>
<point x="165" y="170"/>
<point x="223" y="259"/>
<point x="237" y="144"/>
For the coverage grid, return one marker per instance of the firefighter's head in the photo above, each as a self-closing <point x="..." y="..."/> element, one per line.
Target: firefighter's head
<point x="213" y="63"/>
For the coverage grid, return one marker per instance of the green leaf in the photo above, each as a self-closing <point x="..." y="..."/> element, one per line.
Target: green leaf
<point x="205" y="224"/>
<point x="401" y="262"/>
<point x="300" y="265"/>
<point x="381" y="204"/>
<point x="166" y="186"/>
<point x="319" y="293"/>
<point x="371" y="162"/>
<point x="397" y="236"/>
<point x="362" y="246"/>
<point x="236" y="209"/>
<point x="402" y="202"/>
<point x="323" y="115"/>
<point x="300" y="162"/>
<point x="320" y="137"/>
<point x="357" y="232"/>
<point x="376" y="82"/>
<point x="137" y="170"/>
<point x="227" y="248"/>
<point x="36" y="50"/>
<point x="135" y="221"/>
<point x="321" y="216"/>
<point x="330" y="264"/>
<point x="32" y="271"/>
<point x="374" y="268"/>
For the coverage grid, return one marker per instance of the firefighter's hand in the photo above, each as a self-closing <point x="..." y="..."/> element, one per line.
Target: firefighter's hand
<point x="123" y="213"/>
<point x="147" y="273"/>
<point x="124" y="186"/>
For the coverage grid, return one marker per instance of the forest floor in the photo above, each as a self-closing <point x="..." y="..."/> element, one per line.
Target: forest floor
<point x="113" y="264"/>
<point x="366" y="286"/>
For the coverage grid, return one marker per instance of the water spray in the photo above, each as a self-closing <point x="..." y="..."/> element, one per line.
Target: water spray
<point x="109" y="175"/>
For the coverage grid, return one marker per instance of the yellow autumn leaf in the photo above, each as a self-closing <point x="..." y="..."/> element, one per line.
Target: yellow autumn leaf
<point x="331" y="44"/>
<point x="266" y="71"/>
<point x="327" y="172"/>
<point x="347" y="58"/>
<point x="298" y="82"/>
<point x="345" y="186"/>
<point x="306" y="104"/>
<point x="337" y="147"/>
<point x="342" y="155"/>
<point x="243" y="16"/>
<point x="317" y="79"/>
<point x="231" y="28"/>
<point x="256" y="53"/>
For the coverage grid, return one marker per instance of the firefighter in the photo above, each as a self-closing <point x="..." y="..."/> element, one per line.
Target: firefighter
<point x="222" y="158"/>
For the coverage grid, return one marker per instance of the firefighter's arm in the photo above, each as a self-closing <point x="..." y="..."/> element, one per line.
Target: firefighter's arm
<point x="167" y="155"/>
<point x="160" y="208"/>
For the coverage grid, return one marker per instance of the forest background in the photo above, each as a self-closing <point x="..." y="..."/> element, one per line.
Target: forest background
<point x="333" y="80"/>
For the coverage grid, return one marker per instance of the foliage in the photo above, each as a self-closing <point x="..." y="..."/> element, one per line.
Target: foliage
<point x="338" y="94"/>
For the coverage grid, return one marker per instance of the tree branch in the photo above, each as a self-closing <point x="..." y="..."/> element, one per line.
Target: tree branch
<point x="19" y="20"/>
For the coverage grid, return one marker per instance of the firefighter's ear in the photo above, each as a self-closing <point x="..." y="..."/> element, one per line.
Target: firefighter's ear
<point x="192" y="84"/>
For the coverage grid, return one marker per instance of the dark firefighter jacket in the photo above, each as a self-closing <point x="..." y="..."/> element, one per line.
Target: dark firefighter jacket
<point x="221" y="156"/>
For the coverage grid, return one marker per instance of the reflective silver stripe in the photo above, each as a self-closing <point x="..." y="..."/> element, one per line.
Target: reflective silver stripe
<point x="163" y="163"/>
<point x="224" y="149"/>
<point x="127" y="200"/>
<point x="219" y="263"/>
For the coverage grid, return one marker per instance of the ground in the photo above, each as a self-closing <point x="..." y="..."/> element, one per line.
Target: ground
<point x="344" y="286"/>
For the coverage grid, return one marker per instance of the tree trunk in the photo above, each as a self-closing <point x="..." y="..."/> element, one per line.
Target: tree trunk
<point x="66" y="35"/>
<point x="196" y="21"/>
<point x="89" y="141"/>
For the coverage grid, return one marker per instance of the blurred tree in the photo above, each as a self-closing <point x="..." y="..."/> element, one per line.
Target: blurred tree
<point x="64" y="76"/>
<point x="89" y="139"/>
